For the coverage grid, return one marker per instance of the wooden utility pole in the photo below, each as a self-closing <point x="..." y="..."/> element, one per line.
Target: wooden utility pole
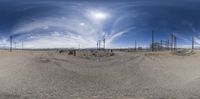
<point x="10" y="43"/>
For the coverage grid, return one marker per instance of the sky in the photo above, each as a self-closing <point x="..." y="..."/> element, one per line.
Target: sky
<point x="74" y="23"/>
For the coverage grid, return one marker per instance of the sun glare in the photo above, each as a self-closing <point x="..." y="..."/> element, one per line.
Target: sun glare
<point x="98" y="15"/>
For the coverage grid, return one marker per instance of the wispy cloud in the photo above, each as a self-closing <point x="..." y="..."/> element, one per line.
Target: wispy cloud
<point x="68" y="23"/>
<point x="62" y="32"/>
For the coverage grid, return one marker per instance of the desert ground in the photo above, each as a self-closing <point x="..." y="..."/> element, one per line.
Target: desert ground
<point x="126" y="75"/>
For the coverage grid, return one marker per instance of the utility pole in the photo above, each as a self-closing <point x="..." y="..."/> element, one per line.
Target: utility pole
<point x="152" y="45"/>
<point x="10" y="43"/>
<point x="97" y="45"/>
<point x="192" y="43"/>
<point x="172" y="41"/>
<point x="161" y="44"/>
<point x="135" y="45"/>
<point x="22" y="44"/>
<point x="104" y="42"/>
<point x="168" y="44"/>
<point x="175" y="43"/>
<point x="15" y="46"/>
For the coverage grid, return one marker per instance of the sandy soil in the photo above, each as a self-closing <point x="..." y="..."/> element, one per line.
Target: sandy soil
<point x="49" y="75"/>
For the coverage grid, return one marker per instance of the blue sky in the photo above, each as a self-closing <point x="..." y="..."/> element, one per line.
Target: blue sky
<point x="68" y="23"/>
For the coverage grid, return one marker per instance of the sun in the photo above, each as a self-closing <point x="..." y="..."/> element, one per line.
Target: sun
<point x="98" y="15"/>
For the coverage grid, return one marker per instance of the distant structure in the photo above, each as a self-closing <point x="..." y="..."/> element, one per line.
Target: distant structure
<point x="157" y="46"/>
<point x="192" y="43"/>
<point x="104" y="43"/>
<point x="11" y="43"/>
<point x="15" y="45"/>
<point x="79" y="46"/>
<point x="173" y="42"/>
<point x="135" y="45"/>
<point x="168" y="44"/>
<point x="163" y="44"/>
<point x="140" y="48"/>
<point x="152" y="47"/>
<point x="97" y="45"/>
<point x="22" y="44"/>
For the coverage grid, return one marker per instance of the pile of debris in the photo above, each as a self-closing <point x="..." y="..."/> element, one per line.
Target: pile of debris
<point x="183" y="52"/>
<point x="87" y="53"/>
<point x="94" y="53"/>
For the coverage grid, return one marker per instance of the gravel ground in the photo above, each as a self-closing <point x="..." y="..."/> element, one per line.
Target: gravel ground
<point x="141" y="75"/>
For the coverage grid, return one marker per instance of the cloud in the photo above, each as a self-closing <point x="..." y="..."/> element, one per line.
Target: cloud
<point x="66" y="30"/>
<point x="62" y="32"/>
<point x="114" y="36"/>
<point x="59" y="41"/>
<point x="50" y="23"/>
<point x="197" y="40"/>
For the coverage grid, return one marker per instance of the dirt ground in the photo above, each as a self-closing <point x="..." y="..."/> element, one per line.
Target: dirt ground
<point x="141" y="75"/>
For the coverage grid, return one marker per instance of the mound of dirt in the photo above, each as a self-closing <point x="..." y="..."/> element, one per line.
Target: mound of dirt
<point x="137" y="75"/>
<point x="183" y="52"/>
